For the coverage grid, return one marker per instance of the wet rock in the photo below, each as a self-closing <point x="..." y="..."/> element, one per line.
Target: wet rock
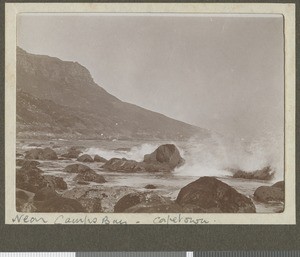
<point x="209" y="195"/>
<point x="270" y="193"/>
<point x="30" y="179"/>
<point x="150" y="186"/>
<point x="55" y="182"/>
<point x="85" y="158"/>
<point x="123" y="165"/>
<point x="165" y="154"/>
<point x="98" y="158"/>
<point x="267" y="173"/>
<point x="45" y="193"/>
<point x="76" y="168"/>
<point x="135" y="202"/>
<point x="90" y="176"/>
<point x="73" y="152"/>
<point x="41" y="154"/>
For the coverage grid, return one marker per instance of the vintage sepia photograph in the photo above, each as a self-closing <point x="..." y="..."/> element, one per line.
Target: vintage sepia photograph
<point x="149" y="113"/>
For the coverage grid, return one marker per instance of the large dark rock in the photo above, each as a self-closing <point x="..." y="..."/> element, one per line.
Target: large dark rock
<point x="98" y="158"/>
<point x="143" y="202"/>
<point x="165" y="154"/>
<point x="85" y="158"/>
<point x="270" y="193"/>
<point x="76" y="168"/>
<point x="73" y="152"/>
<point x="267" y="173"/>
<point x="55" y="182"/>
<point x="30" y="179"/>
<point x="209" y="195"/>
<point x="89" y="176"/>
<point x="41" y="154"/>
<point x="164" y="159"/>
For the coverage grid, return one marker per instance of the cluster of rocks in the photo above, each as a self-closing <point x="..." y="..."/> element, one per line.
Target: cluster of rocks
<point x="37" y="192"/>
<point x="164" y="159"/>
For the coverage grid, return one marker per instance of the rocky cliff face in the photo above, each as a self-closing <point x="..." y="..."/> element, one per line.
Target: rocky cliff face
<point x="59" y="98"/>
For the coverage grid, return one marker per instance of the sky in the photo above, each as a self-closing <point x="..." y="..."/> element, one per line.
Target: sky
<point x="221" y="72"/>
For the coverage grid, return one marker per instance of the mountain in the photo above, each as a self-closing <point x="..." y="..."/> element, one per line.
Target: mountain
<point x="58" y="98"/>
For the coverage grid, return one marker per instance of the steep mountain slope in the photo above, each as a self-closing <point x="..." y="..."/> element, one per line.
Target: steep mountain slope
<point x="60" y="98"/>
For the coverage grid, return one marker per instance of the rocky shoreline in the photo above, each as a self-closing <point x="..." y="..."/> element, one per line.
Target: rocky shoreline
<point x="40" y="192"/>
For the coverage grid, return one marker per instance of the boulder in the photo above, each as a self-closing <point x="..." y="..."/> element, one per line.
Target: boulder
<point x="55" y="182"/>
<point x="270" y="193"/>
<point x="165" y="154"/>
<point x="98" y="158"/>
<point x="124" y="165"/>
<point x="209" y="195"/>
<point x="85" y="158"/>
<point x="41" y="154"/>
<point x="73" y="152"/>
<point x="45" y="193"/>
<point x="76" y="168"/>
<point x="279" y="184"/>
<point x="30" y="179"/>
<point x="150" y="186"/>
<point x="89" y="176"/>
<point x="267" y="173"/>
<point x="138" y="201"/>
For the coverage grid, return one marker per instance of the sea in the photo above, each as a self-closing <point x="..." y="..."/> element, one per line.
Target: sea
<point x="206" y="157"/>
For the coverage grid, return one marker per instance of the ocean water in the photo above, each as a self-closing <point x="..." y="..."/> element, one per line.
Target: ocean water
<point x="209" y="157"/>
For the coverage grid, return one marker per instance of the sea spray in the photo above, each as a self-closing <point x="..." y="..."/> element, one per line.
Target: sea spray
<point x="216" y="155"/>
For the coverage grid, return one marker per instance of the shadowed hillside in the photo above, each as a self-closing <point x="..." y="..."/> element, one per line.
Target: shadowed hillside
<point x="57" y="98"/>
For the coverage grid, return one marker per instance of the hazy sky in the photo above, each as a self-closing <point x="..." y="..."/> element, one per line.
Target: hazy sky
<point x="224" y="73"/>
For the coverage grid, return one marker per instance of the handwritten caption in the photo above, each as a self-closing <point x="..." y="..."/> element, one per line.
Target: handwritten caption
<point x="106" y="220"/>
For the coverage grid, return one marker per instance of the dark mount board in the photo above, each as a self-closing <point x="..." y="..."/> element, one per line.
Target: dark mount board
<point x="145" y="237"/>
